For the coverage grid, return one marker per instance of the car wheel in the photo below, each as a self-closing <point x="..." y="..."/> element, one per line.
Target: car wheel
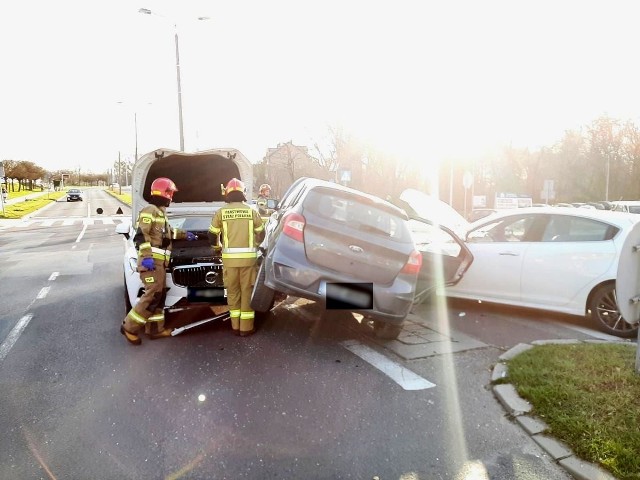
<point x="262" y="297"/>
<point x="386" y="331"/>
<point x="603" y="307"/>
<point x="127" y="302"/>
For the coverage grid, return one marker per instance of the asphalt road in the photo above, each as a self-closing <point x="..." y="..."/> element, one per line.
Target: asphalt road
<point x="310" y="395"/>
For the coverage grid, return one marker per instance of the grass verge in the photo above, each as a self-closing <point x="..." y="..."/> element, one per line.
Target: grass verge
<point x="20" y="209"/>
<point x="589" y="396"/>
<point x="124" y="197"/>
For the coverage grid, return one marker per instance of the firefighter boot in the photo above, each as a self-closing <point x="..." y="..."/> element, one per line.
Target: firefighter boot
<point x="158" y="331"/>
<point x="132" y="338"/>
<point x="246" y="327"/>
<point x="235" y="323"/>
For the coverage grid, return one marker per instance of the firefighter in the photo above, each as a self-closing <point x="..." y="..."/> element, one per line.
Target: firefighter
<point x="153" y="241"/>
<point x="264" y="193"/>
<point x="239" y="229"/>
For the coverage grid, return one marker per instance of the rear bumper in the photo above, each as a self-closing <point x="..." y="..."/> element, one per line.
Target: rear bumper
<point x="391" y="303"/>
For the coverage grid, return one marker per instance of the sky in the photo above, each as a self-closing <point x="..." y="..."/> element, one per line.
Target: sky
<point x="425" y="80"/>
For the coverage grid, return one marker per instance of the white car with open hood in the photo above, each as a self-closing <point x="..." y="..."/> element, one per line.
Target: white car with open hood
<point x="194" y="275"/>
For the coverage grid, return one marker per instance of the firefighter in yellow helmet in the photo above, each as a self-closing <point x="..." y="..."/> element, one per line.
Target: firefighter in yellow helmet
<point x="264" y="193"/>
<point x="153" y="241"/>
<point x="240" y="229"/>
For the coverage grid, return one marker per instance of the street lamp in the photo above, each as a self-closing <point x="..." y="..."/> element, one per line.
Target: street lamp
<point x="146" y="11"/>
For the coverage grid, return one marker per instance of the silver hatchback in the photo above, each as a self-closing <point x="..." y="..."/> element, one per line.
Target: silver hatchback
<point x="344" y="248"/>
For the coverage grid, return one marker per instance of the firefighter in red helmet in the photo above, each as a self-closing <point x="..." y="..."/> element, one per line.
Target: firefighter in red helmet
<point x="153" y="241"/>
<point x="238" y="229"/>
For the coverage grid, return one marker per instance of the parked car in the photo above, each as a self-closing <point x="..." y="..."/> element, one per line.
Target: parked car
<point x="74" y="194"/>
<point x="352" y="251"/>
<point x="194" y="274"/>
<point x="557" y="259"/>
<point x="631" y="206"/>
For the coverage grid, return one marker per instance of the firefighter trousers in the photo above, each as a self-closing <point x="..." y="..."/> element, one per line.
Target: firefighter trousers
<point x="148" y="313"/>
<point x="239" y="283"/>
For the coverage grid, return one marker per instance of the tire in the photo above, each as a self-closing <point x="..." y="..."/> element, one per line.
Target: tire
<point x="386" y="331"/>
<point x="604" y="312"/>
<point x="262" y="297"/>
<point x="127" y="302"/>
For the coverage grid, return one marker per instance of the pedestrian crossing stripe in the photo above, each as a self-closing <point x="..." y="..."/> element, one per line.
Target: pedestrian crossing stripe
<point x="61" y="222"/>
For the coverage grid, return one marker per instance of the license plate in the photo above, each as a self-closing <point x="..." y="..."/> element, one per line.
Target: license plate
<point x="206" y="294"/>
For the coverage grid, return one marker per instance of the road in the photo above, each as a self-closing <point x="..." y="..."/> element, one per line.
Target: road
<point x="311" y="395"/>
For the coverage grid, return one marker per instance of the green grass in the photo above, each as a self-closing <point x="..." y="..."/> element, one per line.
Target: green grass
<point x="124" y="197"/>
<point x="20" y="209"/>
<point x="589" y="396"/>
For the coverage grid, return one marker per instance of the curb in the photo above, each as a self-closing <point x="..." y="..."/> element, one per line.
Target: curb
<point x="519" y="409"/>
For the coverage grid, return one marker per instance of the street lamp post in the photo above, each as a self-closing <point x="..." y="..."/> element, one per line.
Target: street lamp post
<point x="146" y="11"/>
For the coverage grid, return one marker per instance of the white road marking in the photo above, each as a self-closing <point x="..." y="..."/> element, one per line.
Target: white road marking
<point x="68" y="221"/>
<point x="88" y="221"/>
<point x="399" y="374"/>
<point x="84" y="229"/>
<point x="43" y="292"/>
<point x="107" y="221"/>
<point x="13" y="336"/>
<point x="53" y="276"/>
<point x="48" y="223"/>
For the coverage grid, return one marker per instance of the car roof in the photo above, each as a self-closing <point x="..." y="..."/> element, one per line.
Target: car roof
<point x="619" y="219"/>
<point x="626" y="202"/>
<point x="313" y="183"/>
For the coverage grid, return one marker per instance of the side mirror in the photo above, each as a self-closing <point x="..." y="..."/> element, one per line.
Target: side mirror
<point x="272" y="204"/>
<point x="124" y="229"/>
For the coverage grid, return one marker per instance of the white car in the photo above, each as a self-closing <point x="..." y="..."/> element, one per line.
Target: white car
<point x="194" y="274"/>
<point x="557" y="259"/>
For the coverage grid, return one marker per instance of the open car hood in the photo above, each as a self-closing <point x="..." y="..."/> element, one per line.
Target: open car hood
<point x="198" y="177"/>
<point x="420" y="205"/>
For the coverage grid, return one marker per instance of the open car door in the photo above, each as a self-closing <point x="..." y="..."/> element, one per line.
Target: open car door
<point x="445" y="257"/>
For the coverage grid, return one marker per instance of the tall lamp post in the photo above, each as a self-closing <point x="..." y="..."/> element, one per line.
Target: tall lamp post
<point x="146" y="11"/>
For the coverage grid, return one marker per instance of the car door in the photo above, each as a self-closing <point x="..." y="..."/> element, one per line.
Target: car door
<point x="445" y="257"/>
<point x="572" y="253"/>
<point x="498" y="248"/>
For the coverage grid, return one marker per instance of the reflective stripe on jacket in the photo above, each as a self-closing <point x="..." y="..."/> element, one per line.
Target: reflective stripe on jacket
<point x="237" y="223"/>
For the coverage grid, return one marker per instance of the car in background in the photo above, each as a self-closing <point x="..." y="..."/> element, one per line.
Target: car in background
<point x="557" y="259"/>
<point x="353" y="251"/>
<point x="194" y="274"/>
<point x="74" y="195"/>
<point x="630" y="206"/>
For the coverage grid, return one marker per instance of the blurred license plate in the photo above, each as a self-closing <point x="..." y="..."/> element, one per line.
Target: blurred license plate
<point x="206" y="294"/>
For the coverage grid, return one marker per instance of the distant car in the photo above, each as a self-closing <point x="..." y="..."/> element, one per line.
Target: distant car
<point x="74" y="194"/>
<point x="352" y="251"/>
<point x="631" y="206"/>
<point x="558" y="259"/>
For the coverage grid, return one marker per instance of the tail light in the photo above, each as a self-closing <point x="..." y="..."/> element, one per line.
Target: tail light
<point x="414" y="264"/>
<point x="294" y="226"/>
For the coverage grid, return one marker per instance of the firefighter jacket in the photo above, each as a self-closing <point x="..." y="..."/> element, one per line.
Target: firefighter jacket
<point x="154" y="234"/>
<point x="240" y="228"/>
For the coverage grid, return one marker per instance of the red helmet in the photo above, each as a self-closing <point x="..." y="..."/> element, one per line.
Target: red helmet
<point x="235" y="185"/>
<point x="163" y="187"/>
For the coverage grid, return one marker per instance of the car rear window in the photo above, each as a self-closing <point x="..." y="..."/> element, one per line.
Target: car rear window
<point x="357" y="212"/>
